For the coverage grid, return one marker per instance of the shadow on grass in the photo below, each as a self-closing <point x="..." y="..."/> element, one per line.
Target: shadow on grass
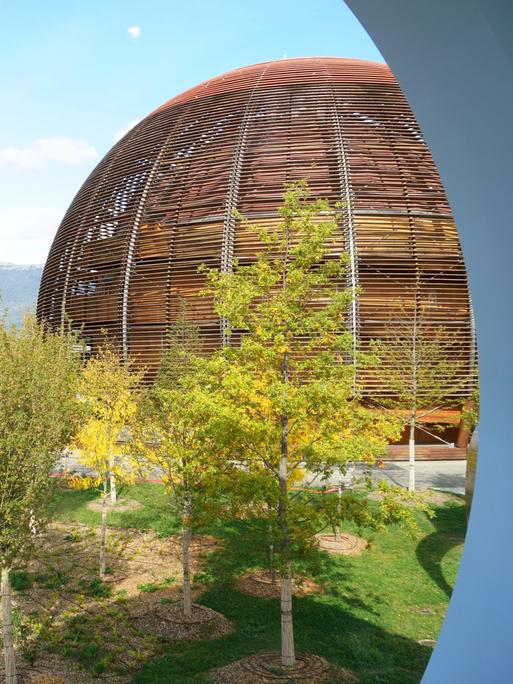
<point x="450" y="522"/>
<point x="343" y="624"/>
<point x="372" y="653"/>
<point x="335" y="625"/>
<point x="245" y="547"/>
<point x="100" y="637"/>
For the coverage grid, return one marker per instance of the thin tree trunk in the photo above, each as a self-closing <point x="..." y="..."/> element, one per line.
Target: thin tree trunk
<point x="112" y="481"/>
<point x="103" y="533"/>
<point x="113" y="489"/>
<point x="186" y="542"/>
<point x="339" y="506"/>
<point x="10" y="663"/>
<point x="411" y="457"/>
<point x="271" y="556"/>
<point x="32" y="523"/>
<point x="288" y="655"/>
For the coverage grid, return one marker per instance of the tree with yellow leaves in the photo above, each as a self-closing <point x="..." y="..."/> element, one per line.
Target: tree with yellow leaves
<point x="177" y="436"/>
<point x="108" y="390"/>
<point x="289" y="387"/>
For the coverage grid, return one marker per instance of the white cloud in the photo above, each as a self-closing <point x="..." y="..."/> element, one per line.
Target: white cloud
<point x="26" y="233"/>
<point x="123" y="131"/>
<point x="134" y="31"/>
<point x="38" y="154"/>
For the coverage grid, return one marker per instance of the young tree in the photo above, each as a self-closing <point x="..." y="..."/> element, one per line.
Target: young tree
<point x="38" y="408"/>
<point x="424" y="368"/>
<point x="290" y="384"/>
<point x="177" y="436"/>
<point x="108" y="390"/>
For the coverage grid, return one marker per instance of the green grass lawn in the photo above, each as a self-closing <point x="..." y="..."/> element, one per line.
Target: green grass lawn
<point x="154" y="514"/>
<point x="374" y="610"/>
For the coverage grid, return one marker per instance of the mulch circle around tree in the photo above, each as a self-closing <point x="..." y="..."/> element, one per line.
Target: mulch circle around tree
<point x="266" y="668"/>
<point x="347" y="544"/>
<point x="119" y="506"/>
<point x="259" y="583"/>
<point x="167" y="621"/>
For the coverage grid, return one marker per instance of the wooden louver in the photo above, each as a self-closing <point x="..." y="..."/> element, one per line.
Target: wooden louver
<point x="160" y="204"/>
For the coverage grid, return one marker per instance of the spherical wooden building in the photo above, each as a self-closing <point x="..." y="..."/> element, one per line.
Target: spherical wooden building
<point x="161" y="203"/>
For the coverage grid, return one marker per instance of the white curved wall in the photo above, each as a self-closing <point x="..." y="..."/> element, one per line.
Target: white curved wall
<point x="454" y="61"/>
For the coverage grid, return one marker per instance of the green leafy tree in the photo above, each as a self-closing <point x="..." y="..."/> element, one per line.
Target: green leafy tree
<point x="177" y="437"/>
<point x="38" y="410"/>
<point x="470" y="413"/>
<point x="424" y="369"/>
<point x="108" y="390"/>
<point x="290" y="384"/>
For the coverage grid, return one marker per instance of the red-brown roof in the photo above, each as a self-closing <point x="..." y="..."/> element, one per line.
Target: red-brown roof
<point x="297" y="70"/>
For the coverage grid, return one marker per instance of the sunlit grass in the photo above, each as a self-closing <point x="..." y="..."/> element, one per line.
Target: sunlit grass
<point x="374" y="610"/>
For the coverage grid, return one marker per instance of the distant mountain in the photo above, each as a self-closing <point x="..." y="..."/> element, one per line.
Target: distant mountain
<point x="19" y="285"/>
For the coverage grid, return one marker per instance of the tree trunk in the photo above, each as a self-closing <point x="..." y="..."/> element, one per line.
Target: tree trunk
<point x="288" y="655"/>
<point x="186" y="542"/>
<point x="103" y="532"/>
<point x="339" y="506"/>
<point x="411" y="457"/>
<point x="113" y="490"/>
<point x="112" y="479"/>
<point x="10" y="663"/>
<point x="33" y="524"/>
<point x="271" y="555"/>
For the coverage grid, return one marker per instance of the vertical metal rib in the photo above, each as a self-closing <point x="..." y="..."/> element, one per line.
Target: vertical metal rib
<point x="131" y="248"/>
<point x="349" y="228"/>
<point x="227" y="247"/>
<point x="473" y="340"/>
<point x="78" y="232"/>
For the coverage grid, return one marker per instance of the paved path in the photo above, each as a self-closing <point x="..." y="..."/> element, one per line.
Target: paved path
<point x="448" y="475"/>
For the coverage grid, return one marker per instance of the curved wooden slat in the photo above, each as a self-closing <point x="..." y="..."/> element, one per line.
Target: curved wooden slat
<point x="160" y="204"/>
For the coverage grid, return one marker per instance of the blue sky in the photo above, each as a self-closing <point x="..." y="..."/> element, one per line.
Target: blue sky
<point x="74" y="77"/>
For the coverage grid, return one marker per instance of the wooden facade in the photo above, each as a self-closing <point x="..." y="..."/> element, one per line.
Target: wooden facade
<point x="160" y="204"/>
